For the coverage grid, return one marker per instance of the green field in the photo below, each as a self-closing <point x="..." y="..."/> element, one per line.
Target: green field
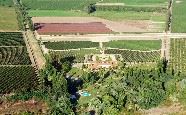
<point x="70" y="45"/>
<point x="179" y="17"/>
<point x="144" y="45"/>
<point x="8" y="19"/>
<point x="110" y="15"/>
<point x="81" y="4"/>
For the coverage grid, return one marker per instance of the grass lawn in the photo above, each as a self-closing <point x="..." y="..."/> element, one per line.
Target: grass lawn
<point x="179" y="17"/>
<point x="110" y="15"/>
<point x="135" y="45"/>
<point x="8" y="20"/>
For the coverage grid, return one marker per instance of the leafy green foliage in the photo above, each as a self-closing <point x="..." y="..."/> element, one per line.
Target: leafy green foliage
<point x="127" y="89"/>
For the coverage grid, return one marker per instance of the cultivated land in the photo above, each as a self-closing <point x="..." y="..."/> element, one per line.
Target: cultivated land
<point x="145" y="45"/>
<point x="81" y="4"/>
<point x="16" y="70"/>
<point x="52" y="66"/>
<point x="8" y="19"/>
<point x="179" y="16"/>
<point x="115" y="26"/>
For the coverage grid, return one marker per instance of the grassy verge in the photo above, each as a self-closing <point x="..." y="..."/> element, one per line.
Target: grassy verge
<point x="8" y="21"/>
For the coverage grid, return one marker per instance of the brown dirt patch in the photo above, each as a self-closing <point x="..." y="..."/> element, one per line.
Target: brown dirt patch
<point x="20" y="106"/>
<point x="173" y="109"/>
<point x="119" y="26"/>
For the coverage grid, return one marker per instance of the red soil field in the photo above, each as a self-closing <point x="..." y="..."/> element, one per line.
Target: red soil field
<point x="71" y="28"/>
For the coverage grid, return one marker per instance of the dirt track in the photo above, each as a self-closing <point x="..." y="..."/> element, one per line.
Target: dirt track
<point x="122" y="26"/>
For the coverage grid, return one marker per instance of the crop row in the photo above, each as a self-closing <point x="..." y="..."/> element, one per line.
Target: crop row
<point x="14" y="56"/>
<point x="70" y="45"/>
<point x="17" y="78"/>
<point x="136" y="56"/>
<point x="178" y="55"/>
<point x="11" y="39"/>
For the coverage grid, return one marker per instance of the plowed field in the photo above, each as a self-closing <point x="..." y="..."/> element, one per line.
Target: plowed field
<point x="72" y="28"/>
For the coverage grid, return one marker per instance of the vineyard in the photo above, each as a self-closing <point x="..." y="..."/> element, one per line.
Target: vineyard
<point x="14" y="56"/>
<point x="17" y="78"/>
<point x="13" y="50"/>
<point x="144" y="45"/>
<point x="70" y="45"/>
<point x="11" y="39"/>
<point x="178" y="55"/>
<point x="76" y="55"/>
<point x="16" y="72"/>
<point x="136" y="56"/>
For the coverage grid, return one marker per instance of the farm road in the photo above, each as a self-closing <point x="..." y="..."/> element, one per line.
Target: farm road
<point x="110" y="37"/>
<point x="34" y="50"/>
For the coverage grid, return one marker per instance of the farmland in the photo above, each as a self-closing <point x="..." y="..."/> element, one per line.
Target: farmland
<point x="70" y="45"/>
<point x="110" y="15"/>
<point x="71" y="28"/>
<point x="178" y="55"/>
<point x="136" y="56"/>
<point x="145" y="45"/>
<point x="179" y="17"/>
<point x="131" y="51"/>
<point x="8" y="20"/>
<point x="17" y="78"/>
<point x="109" y="57"/>
<point x="81" y="4"/>
<point x="16" y="72"/>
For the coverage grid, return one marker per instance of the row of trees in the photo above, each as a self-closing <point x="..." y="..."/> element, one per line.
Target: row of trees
<point x="24" y="20"/>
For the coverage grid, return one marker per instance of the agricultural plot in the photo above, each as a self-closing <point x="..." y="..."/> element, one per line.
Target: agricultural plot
<point x="71" y="28"/>
<point x="82" y="4"/>
<point x="70" y="45"/>
<point x="136" y="56"/>
<point x="17" y="78"/>
<point x="13" y="49"/>
<point x="76" y="55"/>
<point x="8" y="19"/>
<point x="11" y="39"/>
<point x="16" y="72"/>
<point x="14" y="56"/>
<point x="179" y="16"/>
<point x="178" y="55"/>
<point x="143" y="45"/>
